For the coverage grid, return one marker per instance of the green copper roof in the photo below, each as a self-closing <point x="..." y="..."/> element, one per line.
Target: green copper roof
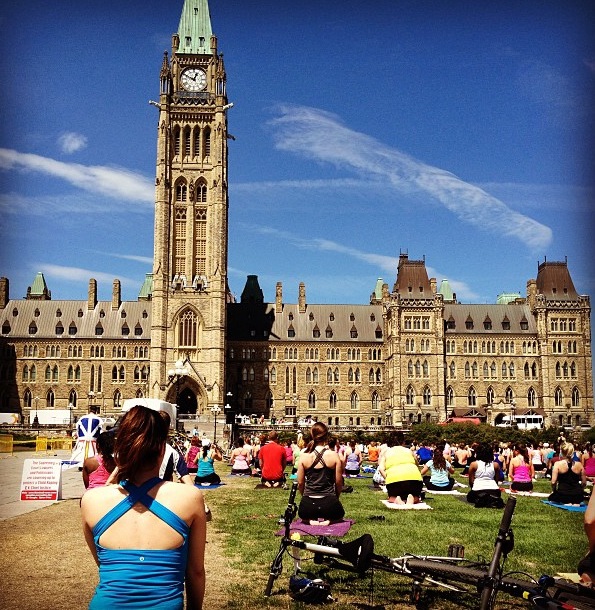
<point x="146" y="290"/>
<point x="506" y="297"/>
<point x="195" y="28"/>
<point x="446" y="291"/>
<point x="39" y="287"/>
<point x="378" y="288"/>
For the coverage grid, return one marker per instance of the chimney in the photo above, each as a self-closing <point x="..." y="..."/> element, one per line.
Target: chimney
<point x="92" y="299"/>
<point x="433" y="285"/>
<point x="279" y="298"/>
<point x="302" y="298"/>
<point x="4" y="292"/>
<point x="116" y="295"/>
<point x="532" y="293"/>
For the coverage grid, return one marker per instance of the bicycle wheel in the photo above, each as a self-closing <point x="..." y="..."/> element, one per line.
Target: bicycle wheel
<point x="446" y="571"/>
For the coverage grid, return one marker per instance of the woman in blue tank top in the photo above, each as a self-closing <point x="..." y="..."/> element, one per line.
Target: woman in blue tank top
<point x="145" y="555"/>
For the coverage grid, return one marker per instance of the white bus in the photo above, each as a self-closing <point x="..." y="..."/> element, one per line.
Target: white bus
<point x="522" y="422"/>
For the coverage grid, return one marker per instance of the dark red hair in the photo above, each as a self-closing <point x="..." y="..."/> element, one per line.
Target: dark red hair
<point x="139" y="441"/>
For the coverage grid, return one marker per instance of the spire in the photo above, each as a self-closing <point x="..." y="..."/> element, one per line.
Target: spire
<point x="38" y="291"/>
<point x="195" y="30"/>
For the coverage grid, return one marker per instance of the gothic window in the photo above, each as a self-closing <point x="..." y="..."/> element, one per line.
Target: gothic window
<point x="48" y="373"/>
<point x="490" y="396"/>
<point x="450" y="397"/>
<point x="207" y="142"/>
<point x="531" y="397"/>
<point x="187" y="141"/>
<point x="122" y="373"/>
<point x="375" y="401"/>
<point x="308" y="375"/>
<point x="200" y="232"/>
<point x="180" y="241"/>
<point x="558" y="397"/>
<point x="427" y="396"/>
<point x="573" y="370"/>
<point x="25" y="373"/>
<point x="332" y="401"/>
<point x="357" y="375"/>
<point x="354" y="401"/>
<point x="426" y="369"/>
<point x="251" y="374"/>
<point x="509" y="397"/>
<point x="471" y="397"/>
<point x="350" y="375"/>
<point x="188" y="329"/>
<point x="336" y="375"/>
<point x="576" y="397"/>
<point x="329" y="375"/>
<point x="33" y="373"/>
<point x="452" y="370"/>
<point x="27" y="398"/>
<point x="409" y="396"/>
<point x="315" y="375"/>
<point x="486" y="370"/>
<point x="511" y="370"/>
<point x="526" y="370"/>
<point x="474" y="370"/>
<point x="273" y="375"/>
<point x="49" y="399"/>
<point x="70" y="374"/>
<point x="312" y="401"/>
<point x="176" y="136"/>
<point x="117" y="399"/>
<point x="181" y="192"/>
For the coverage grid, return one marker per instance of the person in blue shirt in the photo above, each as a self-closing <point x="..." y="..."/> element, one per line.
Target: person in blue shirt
<point x="439" y="469"/>
<point x="424" y="453"/>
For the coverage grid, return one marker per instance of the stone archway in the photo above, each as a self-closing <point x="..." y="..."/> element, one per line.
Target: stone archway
<point x="187" y="402"/>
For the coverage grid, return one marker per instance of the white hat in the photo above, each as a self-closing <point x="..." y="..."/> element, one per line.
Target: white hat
<point x="546" y="445"/>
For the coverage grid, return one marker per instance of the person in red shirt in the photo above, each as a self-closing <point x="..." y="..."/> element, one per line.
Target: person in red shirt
<point x="272" y="462"/>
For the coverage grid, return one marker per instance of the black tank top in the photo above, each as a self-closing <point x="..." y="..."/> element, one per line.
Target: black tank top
<point x="319" y="481"/>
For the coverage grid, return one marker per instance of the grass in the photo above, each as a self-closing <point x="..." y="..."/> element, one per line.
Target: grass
<point x="547" y="540"/>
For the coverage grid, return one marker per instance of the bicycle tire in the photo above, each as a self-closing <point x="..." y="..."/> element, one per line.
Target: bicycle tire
<point x="439" y="569"/>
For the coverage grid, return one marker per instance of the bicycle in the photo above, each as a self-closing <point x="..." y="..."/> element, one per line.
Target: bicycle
<point x="452" y="572"/>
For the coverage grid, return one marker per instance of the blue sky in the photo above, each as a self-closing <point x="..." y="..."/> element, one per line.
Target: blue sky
<point x="457" y="131"/>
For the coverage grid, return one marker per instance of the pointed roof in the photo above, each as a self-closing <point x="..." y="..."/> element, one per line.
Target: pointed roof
<point x="446" y="291"/>
<point x="252" y="292"/>
<point x="146" y="291"/>
<point x="412" y="279"/>
<point x="39" y="289"/>
<point x="195" y="28"/>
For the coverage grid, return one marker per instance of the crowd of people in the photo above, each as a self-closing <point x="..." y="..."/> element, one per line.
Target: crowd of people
<point x="168" y="523"/>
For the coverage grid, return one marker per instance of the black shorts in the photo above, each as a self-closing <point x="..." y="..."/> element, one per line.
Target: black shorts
<point x="327" y="507"/>
<point x="521" y="486"/>
<point x="404" y="489"/>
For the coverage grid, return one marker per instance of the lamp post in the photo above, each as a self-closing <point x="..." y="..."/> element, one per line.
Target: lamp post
<point x="70" y="408"/>
<point x="215" y="411"/>
<point x="176" y="375"/>
<point x="36" y="419"/>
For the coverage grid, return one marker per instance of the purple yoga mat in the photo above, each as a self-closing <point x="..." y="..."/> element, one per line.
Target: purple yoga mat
<point x="337" y="529"/>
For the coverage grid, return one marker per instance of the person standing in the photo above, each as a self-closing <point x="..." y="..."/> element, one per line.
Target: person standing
<point x="146" y="535"/>
<point x="272" y="462"/>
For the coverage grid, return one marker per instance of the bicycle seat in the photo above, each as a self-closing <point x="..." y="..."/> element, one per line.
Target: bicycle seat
<point x="358" y="552"/>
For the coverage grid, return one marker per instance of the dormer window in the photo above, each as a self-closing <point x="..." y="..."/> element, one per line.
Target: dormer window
<point x="311" y="317"/>
<point x="5" y="327"/>
<point x="80" y="313"/>
<point x="329" y="332"/>
<point x="487" y="323"/>
<point x="469" y="323"/>
<point x="291" y="332"/>
<point x="15" y="312"/>
<point x="316" y="332"/>
<point x="37" y="313"/>
<point x="58" y="313"/>
<point x="505" y="323"/>
<point x="351" y="318"/>
<point x="353" y="332"/>
<point x="99" y="329"/>
<point x="32" y="328"/>
<point x="378" y="332"/>
<point x="332" y="317"/>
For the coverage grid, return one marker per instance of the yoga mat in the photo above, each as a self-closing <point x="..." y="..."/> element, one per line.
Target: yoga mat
<point x="573" y="509"/>
<point x="211" y="486"/>
<point x="420" y="506"/>
<point x="534" y="494"/>
<point x="452" y="492"/>
<point x="337" y="529"/>
<point x="263" y="486"/>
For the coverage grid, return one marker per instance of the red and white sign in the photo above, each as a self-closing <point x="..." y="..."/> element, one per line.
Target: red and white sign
<point x="41" y="480"/>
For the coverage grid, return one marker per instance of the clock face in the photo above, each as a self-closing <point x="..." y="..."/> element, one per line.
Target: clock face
<point x="194" y="79"/>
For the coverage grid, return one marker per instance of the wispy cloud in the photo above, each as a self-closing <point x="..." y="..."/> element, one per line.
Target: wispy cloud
<point x="71" y="142"/>
<point x="113" y="182"/>
<point x="388" y="264"/>
<point x="321" y="136"/>
<point x="78" y="275"/>
<point x="145" y="260"/>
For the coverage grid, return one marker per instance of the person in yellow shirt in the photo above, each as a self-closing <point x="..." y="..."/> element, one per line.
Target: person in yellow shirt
<point x="398" y="466"/>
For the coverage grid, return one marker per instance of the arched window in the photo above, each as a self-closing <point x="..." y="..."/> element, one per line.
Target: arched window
<point x="375" y="402"/>
<point x="117" y="399"/>
<point x="72" y="398"/>
<point x="311" y="400"/>
<point x="490" y="396"/>
<point x="354" y="401"/>
<point x="188" y="329"/>
<point x="531" y="397"/>
<point x="471" y="397"/>
<point x="576" y="397"/>
<point x="49" y="399"/>
<point x="427" y="396"/>
<point x="27" y="398"/>
<point x="558" y="397"/>
<point x="273" y="375"/>
<point x="509" y="395"/>
<point x="315" y="375"/>
<point x="409" y="396"/>
<point x="332" y="401"/>
<point x="450" y="397"/>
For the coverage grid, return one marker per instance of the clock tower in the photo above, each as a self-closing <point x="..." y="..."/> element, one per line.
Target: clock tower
<point x="191" y="208"/>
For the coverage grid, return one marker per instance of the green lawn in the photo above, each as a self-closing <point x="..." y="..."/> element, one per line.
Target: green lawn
<point x="547" y="540"/>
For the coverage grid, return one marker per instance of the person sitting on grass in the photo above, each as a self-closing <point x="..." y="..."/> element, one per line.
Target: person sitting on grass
<point x="439" y="469"/>
<point x="272" y="462"/>
<point x="205" y="463"/>
<point x="521" y="471"/>
<point x="353" y="460"/>
<point x="568" y="478"/>
<point x="484" y="472"/>
<point x="399" y="468"/>
<point x="320" y="480"/>
<point x="240" y="459"/>
<point x="97" y="469"/>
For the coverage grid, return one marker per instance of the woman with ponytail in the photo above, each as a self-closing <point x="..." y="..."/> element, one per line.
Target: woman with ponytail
<point x="146" y="535"/>
<point x="521" y="471"/>
<point x="568" y="478"/>
<point x="206" y="475"/>
<point x="320" y="480"/>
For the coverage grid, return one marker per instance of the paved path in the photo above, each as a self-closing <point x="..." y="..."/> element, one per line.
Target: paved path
<point x="11" y="470"/>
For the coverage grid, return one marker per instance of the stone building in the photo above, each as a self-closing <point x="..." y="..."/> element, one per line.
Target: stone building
<point x="412" y="354"/>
